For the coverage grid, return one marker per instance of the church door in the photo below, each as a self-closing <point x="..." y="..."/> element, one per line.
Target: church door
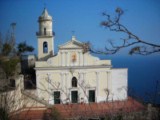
<point x="91" y="95"/>
<point x="57" y="97"/>
<point x="74" y="96"/>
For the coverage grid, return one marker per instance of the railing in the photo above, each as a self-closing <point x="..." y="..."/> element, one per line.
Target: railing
<point x="45" y="33"/>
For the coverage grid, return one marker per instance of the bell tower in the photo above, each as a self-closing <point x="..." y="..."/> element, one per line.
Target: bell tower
<point x="45" y="36"/>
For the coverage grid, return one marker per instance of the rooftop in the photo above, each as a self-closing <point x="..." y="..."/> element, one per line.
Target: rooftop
<point x="45" y="15"/>
<point x="83" y="110"/>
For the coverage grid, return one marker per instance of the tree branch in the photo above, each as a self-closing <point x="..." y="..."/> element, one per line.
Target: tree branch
<point x="131" y="39"/>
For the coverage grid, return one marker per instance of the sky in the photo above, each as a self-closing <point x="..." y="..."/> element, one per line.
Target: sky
<point x="142" y="17"/>
<point x="82" y="16"/>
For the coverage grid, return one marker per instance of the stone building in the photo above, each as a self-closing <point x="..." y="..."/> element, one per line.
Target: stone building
<point x="74" y="75"/>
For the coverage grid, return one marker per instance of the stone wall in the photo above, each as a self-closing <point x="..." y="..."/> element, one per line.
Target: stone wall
<point x="15" y="99"/>
<point x="12" y="100"/>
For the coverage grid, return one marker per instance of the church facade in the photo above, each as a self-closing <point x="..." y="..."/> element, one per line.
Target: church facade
<point x="73" y="75"/>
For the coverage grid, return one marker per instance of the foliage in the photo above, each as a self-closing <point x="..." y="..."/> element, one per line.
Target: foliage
<point x="7" y="44"/>
<point x="6" y="49"/>
<point x="9" y="66"/>
<point x="23" y="47"/>
<point x="3" y="114"/>
<point x="54" y="115"/>
<point x="139" y="46"/>
<point x="114" y="117"/>
<point x="8" y="52"/>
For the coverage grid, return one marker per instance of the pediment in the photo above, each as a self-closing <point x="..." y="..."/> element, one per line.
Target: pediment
<point x="71" y="44"/>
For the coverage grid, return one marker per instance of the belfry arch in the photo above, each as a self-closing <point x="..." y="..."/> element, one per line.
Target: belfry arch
<point x="45" y="47"/>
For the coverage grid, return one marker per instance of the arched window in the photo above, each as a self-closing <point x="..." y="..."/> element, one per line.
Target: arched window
<point x="44" y="31"/>
<point x="45" y="47"/>
<point x="74" y="82"/>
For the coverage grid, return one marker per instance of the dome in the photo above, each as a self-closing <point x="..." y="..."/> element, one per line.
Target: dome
<point x="45" y="15"/>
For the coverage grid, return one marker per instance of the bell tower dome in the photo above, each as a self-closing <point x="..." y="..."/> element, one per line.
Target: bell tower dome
<point x="45" y="36"/>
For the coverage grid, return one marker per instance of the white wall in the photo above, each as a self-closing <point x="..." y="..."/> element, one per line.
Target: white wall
<point x="119" y="84"/>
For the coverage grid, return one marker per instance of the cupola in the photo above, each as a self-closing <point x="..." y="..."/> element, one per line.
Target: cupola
<point x="45" y="24"/>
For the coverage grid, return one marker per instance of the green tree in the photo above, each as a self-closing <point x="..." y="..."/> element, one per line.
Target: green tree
<point x="6" y="49"/>
<point x="23" y="47"/>
<point x="9" y="55"/>
<point x="9" y="66"/>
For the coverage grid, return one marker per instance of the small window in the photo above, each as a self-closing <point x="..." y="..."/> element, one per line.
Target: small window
<point x="45" y="47"/>
<point x="74" y="82"/>
<point x="44" y="31"/>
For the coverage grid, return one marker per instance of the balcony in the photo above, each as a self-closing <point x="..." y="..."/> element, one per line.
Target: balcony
<point x="45" y="33"/>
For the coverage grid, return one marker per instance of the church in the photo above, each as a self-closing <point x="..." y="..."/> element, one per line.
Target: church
<point x="74" y="75"/>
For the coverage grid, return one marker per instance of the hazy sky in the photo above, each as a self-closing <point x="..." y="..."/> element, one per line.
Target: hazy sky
<point x="82" y="16"/>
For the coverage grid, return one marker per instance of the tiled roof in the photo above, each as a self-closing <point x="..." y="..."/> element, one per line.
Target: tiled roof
<point x="85" y="110"/>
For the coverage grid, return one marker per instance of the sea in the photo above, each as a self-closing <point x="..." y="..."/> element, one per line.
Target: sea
<point x="143" y="75"/>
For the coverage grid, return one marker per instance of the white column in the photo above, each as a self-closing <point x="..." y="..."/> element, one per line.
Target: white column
<point x="66" y="61"/>
<point x="49" y="80"/>
<point x="71" y="63"/>
<point x="80" y="81"/>
<point x="109" y="82"/>
<point x="109" y="85"/>
<point x="67" y="58"/>
<point x="62" y="86"/>
<point x="84" y="76"/>
<point x="61" y="58"/>
<point x="80" y="76"/>
<point x="84" y="60"/>
<point x="97" y="85"/>
<point x="79" y="59"/>
<point x="66" y="83"/>
<point x="81" y="56"/>
<point x="83" y="84"/>
<point x="49" y="88"/>
<point x="62" y="80"/>
<point x="75" y="62"/>
<point x="37" y="85"/>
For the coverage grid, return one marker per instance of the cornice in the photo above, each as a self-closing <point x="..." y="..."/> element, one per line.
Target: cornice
<point x="73" y="67"/>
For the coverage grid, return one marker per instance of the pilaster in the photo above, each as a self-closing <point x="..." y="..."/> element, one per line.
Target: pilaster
<point x="97" y="84"/>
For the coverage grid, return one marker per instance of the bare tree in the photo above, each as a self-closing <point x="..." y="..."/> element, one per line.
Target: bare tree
<point x="139" y="46"/>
